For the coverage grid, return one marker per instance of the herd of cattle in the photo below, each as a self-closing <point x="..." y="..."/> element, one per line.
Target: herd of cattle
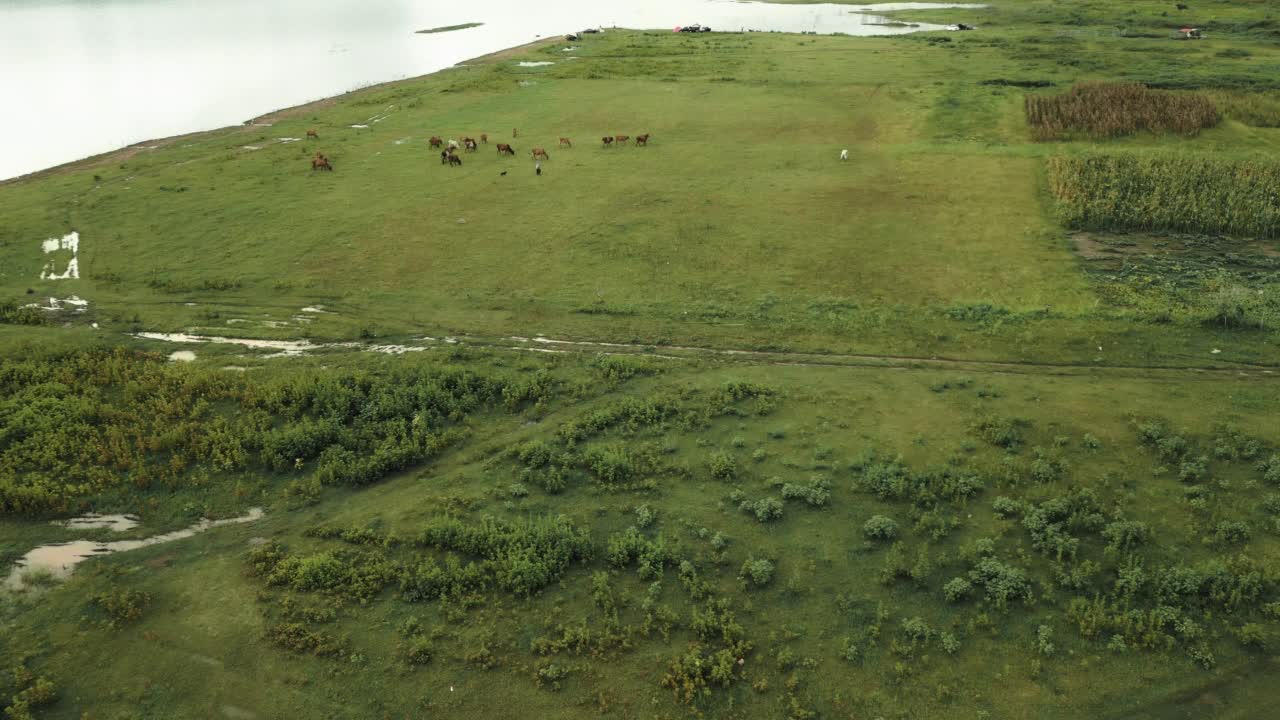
<point x="449" y="149"/>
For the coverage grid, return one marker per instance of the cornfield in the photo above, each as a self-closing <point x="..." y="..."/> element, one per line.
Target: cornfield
<point x="1171" y="193"/>
<point x="1105" y="110"/>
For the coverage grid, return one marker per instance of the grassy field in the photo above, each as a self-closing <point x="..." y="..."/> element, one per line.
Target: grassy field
<point x="956" y="428"/>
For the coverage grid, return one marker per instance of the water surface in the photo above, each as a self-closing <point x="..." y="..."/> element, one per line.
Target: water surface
<point x="81" y="78"/>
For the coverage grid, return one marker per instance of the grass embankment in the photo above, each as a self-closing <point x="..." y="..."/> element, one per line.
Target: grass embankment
<point x="737" y="226"/>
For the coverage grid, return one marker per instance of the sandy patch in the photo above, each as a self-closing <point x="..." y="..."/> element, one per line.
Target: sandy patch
<point x="70" y="241"/>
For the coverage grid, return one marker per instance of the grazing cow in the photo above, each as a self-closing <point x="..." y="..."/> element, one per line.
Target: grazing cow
<point x="455" y="161"/>
<point x="565" y="142"/>
<point x="444" y="157"/>
<point x="622" y="139"/>
<point x="469" y="144"/>
<point x="505" y="148"/>
<point x="540" y="153"/>
<point x="436" y="142"/>
<point x="453" y="145"/>
<point x="320" y="162"/>
<point x="642" y="140"/>
<point x="484" y="138"/>
<point x="844" y="154"/>
<point x="607" y="141"/>
<point x="313" y="134"/>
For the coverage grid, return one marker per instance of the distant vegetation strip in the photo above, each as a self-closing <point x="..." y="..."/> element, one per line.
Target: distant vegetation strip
<point x="1105" y="110"/>
<point x="1169" y="193"/>
<point x="450" y="28"/>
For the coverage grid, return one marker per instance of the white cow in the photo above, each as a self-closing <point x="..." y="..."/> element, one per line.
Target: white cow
<point x="844" y="154"/>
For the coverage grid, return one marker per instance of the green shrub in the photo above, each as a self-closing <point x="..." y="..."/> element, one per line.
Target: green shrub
<point x="1126" y="534"/>
<point x="817" y="493"/>
<point x="122" y="605"/>
<point x="418" y="651"/>
<point x="879" y="527"/>
<point x="724" y="467"/>
<point x="765" y="509"/>
<point x="1001" y="582"/>
<point x="957" y="589"/>
<point x="1229" y="532"/>
<point x="756" y="572"/>
<point x="1270" y="469"/>
<point x="1044" y="641"/>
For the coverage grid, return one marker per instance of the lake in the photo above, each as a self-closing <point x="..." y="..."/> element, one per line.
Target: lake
<point x="82" y="77"/>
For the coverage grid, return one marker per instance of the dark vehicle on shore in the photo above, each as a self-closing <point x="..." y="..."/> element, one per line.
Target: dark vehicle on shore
<point x="695" y="28"/>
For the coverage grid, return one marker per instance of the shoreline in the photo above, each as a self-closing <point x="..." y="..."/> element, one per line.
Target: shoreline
<point x="271" y="117"/>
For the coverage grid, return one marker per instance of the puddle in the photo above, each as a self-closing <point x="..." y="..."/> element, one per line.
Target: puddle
<point x="93" y="521"/>
<point x="288" y="140"/>
<point x="56" y="304"/>
<point x="540" y="63"/>
<point x="235" y="368"/>
<point x="360" y="127"/>
<point x="60" y="559"/>
<point x="568" y="49"/>
<point x="286" y="348"/>
<point x="395" y="349"/>
<point x="252" y="147"/>
<point x="70" y="241"/>
<point x="182" y="356"/>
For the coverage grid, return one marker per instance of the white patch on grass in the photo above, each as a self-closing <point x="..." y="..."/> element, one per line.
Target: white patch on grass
<point x="284" y="348"/>
<point x="539" y="63"/>
<point x="316" y="309"/>
<point x="359" y="126"/>
<point x="93" y="521"/>
<point x="252" y="147"/>
<point x="70" y="241"/>
<point x="182" y="356"/>
<point x="288" y="140"/>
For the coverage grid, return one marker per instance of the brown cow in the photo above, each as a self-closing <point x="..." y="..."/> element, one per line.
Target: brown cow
<point x="470" y="144"/>
<point x="607" y="141"/>
<point x="565" y="142"/>
<point x="622" y="139"/>
<point x="505" y="148"/>
<point x="642" y="140"/>
<point x="540" y="153"/>
<point x="484" y="138"/>
<point x="436" y="141"/>
<point x="455" y="161"/>
<point x="320" y="162"/>
<point x="313" y="134"/>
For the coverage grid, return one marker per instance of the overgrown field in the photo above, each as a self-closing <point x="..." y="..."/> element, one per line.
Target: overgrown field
<point x="971" y="425"/>
<point x="736" y="541"/>
<point x="1106" y="110"/>
<point x="1172" y="193"/>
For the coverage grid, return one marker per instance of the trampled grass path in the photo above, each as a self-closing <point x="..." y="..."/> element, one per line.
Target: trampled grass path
<point x="545" y="344"/>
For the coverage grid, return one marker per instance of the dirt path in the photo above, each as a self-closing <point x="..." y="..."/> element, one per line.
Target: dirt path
<point x="544" y="344"/>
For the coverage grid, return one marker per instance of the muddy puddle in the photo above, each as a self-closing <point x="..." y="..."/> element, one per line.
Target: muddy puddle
<point x="93" y="521"/>
<point x="58" y="560"/>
